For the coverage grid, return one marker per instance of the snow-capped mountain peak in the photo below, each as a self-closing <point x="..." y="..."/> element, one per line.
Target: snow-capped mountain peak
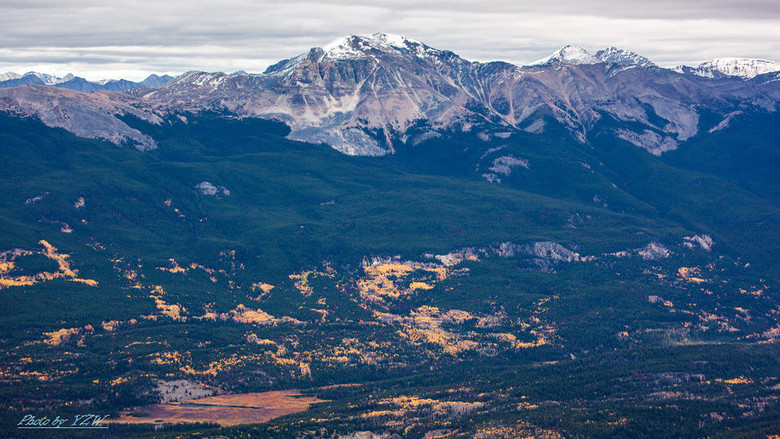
<point x="568" y="55"/>
<point x="9" y="75"/>
<point x="48" y="79"/>
<point x="348" y="47"/>
<point x="613" y="55"/>
<point x="745" y="68"/>
<point x="358" y="46"/>
<point x="45" y="78"/>
<point x="394" y="40"/>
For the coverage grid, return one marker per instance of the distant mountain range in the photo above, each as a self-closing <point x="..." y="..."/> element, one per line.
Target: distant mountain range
<point x="745" y="68"/>
<point x="69" y="81"/>
<point x="361" y="94"/>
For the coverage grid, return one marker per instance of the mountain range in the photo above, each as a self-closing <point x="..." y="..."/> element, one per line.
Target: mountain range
<point x="362" y="94"/>
<point x="69" y="81"/>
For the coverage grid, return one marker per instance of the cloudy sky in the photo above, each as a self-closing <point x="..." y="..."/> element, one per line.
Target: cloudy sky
<point x="132" y="38"/>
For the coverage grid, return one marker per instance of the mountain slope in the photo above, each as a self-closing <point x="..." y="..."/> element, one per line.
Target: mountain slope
<point x="89" y="115"/>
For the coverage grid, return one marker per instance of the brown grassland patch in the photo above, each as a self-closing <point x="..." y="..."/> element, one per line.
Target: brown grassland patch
<point x="225" y="410"/>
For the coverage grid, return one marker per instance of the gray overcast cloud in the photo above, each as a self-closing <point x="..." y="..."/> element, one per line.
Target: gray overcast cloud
<point x="130" y="39"/>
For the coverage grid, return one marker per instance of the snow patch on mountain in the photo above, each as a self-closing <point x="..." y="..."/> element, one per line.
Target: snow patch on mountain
<point x="613" y="55"/>
<point x="568" y="55"/>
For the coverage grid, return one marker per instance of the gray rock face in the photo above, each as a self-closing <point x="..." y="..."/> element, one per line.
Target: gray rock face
<point x="206" y="188"/>
<point x="552" y="251"/>
<point x="359" y="94"/>
<point x="653" y="251"/>
<point x="544" y="254"/>
<point x="704" y="241"/>
<point x="547" y="250"/>
<point x="503" y="166"/>
<point x="653" y="142"/>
